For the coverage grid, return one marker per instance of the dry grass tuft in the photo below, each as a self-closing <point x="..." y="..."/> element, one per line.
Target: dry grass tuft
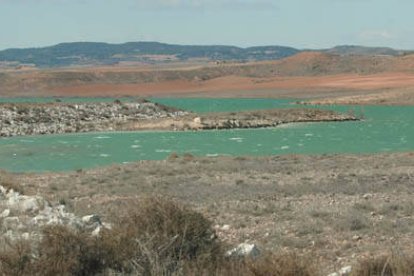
<point x="7" y="180"/>
<point x="266" y="265"/>
<point x="282" y="265"/>
<point x="15" y="258"/>
<point x="393" y="265"/>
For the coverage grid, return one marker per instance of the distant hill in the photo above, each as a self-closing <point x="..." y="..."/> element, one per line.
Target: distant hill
<point x="94" y="53"/>
<point x="361" y="50"/>
<point x="82" y="53"/>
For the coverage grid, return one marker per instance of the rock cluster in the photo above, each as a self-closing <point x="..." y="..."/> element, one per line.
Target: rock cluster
<point x="342" y="272"/>
<point x="265" y="118"/>
<point x="22" y="217"/>
<point x="244" y="250"/>
<point x="31" y="119"/>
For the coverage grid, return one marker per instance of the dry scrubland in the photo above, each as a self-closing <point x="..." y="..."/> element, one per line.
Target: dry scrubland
<point x="309" y="215"/>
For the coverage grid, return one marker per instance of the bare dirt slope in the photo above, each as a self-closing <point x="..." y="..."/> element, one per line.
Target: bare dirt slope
<point x="305" y="75"/>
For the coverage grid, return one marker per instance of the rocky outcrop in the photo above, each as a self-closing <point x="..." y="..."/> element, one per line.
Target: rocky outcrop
<point x="245" y="119"/>
<point x="23" y="217"/>
<point x="32" y="119"/>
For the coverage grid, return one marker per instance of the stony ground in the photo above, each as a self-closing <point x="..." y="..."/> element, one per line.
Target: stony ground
<point x="338" y="208"/>
<point x="55" y="118"/>
<point x="32" y="119"/>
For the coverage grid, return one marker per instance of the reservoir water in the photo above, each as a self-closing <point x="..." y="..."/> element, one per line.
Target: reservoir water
<point x="384" y="129"/>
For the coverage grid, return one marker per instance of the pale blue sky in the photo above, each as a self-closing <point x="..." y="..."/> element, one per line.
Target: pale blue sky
<point x="297" y="23"/>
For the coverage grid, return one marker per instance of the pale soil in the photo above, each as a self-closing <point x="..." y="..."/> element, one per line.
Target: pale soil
<point x="339" y="208"/>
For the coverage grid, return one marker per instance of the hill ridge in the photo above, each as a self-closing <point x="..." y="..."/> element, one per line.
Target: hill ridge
<point x="101" y="53"/>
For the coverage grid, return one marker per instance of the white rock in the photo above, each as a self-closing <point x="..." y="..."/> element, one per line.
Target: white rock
<point x="96" y="232"/>
<point x="11" y="222"/>
<point x="244" y="250"/>
<point x="91" y="219"/>
<point x="225" y="227"/>
<point x="197" y="120"/>
<point x="3" y="190"/>
<point x="334" y="274"/>
<point x="107" y="225"/>
<point x="29" y="205"/>
<point x="367" y="196"/>
<point x="345" y="270"/>
<point x="356" y="238"/>
<point x="5" y="213"/>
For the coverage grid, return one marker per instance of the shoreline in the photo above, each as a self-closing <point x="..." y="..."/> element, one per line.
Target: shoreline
<point x="23" y="119"/>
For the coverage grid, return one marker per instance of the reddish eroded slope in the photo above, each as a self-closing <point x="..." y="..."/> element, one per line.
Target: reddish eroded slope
<point x="301" y="75"/>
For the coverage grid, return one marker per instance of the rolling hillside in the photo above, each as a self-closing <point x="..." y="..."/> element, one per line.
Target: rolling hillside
<point x="93" y="53"/>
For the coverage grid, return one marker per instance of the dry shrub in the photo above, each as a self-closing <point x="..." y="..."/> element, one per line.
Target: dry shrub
<point x="156" y="235"/>
<point x="282" y="265"/>
<point x="188" y="157"/>
<point x="64" y="251"/>
<point x="153" y="237"/>
<point x="7" y="180"/>
<point x="15" y="258"/>
<point x="173" y="156"/>
<point x="393" y="265"/>
<point x="266" y="265"/>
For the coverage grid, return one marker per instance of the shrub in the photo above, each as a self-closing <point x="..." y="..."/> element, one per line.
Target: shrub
<point x="173" y="156"/>
<point x="153" y="237"/>
<point x="158" y="234"/>
<point x="281" y="265"/>
<point x="63" y="251"/>
<point x="393" y="265"/>
<point x="267" y="265"/>
<point x="188" y="157"/>
<point x="15" y="258"/>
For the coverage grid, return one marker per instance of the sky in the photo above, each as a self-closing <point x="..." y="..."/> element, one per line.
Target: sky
<point x="298" y="23"/>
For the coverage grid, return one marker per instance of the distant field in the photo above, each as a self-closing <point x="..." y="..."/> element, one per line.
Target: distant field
<point x="318" y="76"/>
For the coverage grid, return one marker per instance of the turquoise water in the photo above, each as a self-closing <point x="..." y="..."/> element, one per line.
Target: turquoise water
<point x="385" y="129"/>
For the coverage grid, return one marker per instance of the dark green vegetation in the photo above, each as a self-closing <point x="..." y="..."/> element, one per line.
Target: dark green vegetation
<point x="93" y="53"/>
<point x="79" y="53"/>
<point x="361" y="50"/>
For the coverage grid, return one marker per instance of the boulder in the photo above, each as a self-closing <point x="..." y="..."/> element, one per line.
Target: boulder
<point x="244" y="250"/>
<point x="5" y="213"/>
<point x="346" y="270"/>
<point x="91" y="219"/>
